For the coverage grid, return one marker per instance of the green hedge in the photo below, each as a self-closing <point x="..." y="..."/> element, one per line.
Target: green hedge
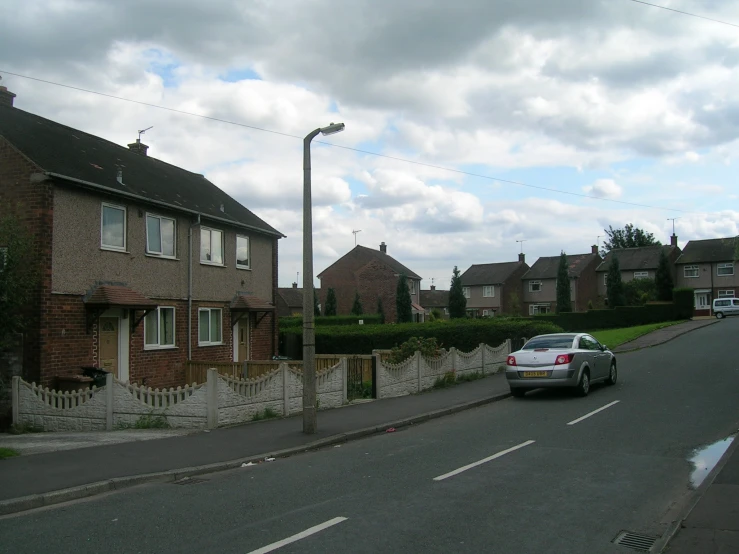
<point x="330" y="320"/>
<point x="684" y="304"/>
<point x="464" y="334"/>
<point x="622" y="316"/>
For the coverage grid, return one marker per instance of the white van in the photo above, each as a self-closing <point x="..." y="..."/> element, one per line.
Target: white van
<point x="725" y="306"/>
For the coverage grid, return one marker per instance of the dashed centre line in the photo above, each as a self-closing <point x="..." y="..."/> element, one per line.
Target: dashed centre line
<point x="483" y="461"/>
<point x="303" y="534"/>
<point x="586" y="416"/>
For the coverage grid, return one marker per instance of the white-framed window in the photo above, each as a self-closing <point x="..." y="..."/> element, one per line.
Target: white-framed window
<point x="211" y="246"/>
<point x="210" y="326"/>
<point x="641" y="274"/>
<point x="488" y="291"/>
<point x="690" y="271"/>
<point x="725" y="269"/>
<point x="539" y="309"/>
<point x="488" y="313"/>
<point x="160" y="235"/>
<point x="113" y="227"/>
<point x="159" y="328"/>
<point x="412" y="287"/>
<point x="466" y="292"/>
<point x="726" y="294"/>
<point x="446" y="311"/>
<point x="534" y="286"/>
<point x="243" y="252"/>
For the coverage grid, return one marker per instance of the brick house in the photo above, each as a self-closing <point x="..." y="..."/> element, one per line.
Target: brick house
<point x="494" y="288"/>
<point x="707" y="267"/>
<point x="540" y="282"/>
<point x="433" y="299"/>
<point x="637" y="263"/>
<point x="374" y="274"/>
<point x="289" y="301"/>
<point x="144" y="265"/>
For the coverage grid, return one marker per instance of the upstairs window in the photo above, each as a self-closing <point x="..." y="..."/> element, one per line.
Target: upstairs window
<point x="160" y="236"/>
<point x="466" y="292"/>
<point x="690" y="271"/>
<point x="113" y="227"/>
<point x="725" y="269"/>
<point x="488" y="291"/>
<point x="211" y="246"/>
<point x="534" y="286"/>
<point x="243" y="260"/>
<point x="641" y="274"/>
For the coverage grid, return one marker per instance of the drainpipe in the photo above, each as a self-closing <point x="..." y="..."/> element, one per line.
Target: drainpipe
<point x="189" y="291"/>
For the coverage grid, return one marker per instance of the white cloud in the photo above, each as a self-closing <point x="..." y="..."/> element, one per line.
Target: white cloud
<point x="604" y="188"/>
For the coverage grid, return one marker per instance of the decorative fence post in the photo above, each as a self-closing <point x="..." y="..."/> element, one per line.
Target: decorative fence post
<point x="109" y="402"/>
<point x="482" y="351"/>
<point x="284" y="370"/>
<point x="453" y="353"/>
<point x="344" y="378"/>
<point x="16" y="399"/>
<point x="508" y="346"/>
<point x="418" y="369"/>
<point x="212" y="399"/>
<point x="378" y="373"/>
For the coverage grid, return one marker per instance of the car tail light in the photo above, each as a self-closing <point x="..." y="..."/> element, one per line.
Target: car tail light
<point x="564" y="359"/>
<point x="511" y="360"/>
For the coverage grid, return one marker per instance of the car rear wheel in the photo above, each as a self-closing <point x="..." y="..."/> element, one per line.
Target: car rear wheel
<point x="719" y="315"/>
<point x="583" y="387"/>
<point x="612" y="375"/>
<point x="518" y="393"/>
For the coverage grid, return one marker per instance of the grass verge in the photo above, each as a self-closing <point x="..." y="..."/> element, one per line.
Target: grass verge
<point x="8" y="453"/>
<point x="616" y="337"/>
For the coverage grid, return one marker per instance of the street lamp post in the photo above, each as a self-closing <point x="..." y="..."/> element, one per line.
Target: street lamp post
<point x="309" y="332"/>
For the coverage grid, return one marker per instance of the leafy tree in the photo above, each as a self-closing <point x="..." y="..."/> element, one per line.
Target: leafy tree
<point x="514" y="304"/>
<point x="330" y="308"/>
<point x="614" y="285"/>
<point x="403" y="301"/>
<point x="316" y="305"/>
<point x="564" y="303"/>
<point x="357" y="306"/>
<point x="663" y="278"/>
<point x="638" y="292"/>
<point x="435" y="315"/>
<point x="380" y="309"/>
<point x="457" y="301"/>
<point x="628" y="237"/>
<point x="19" y="275"/>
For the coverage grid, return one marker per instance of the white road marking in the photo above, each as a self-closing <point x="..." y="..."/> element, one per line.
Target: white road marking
<point x="303" y="534"/>
<point x="586" y="416"/>
<point x="483" y="461"/>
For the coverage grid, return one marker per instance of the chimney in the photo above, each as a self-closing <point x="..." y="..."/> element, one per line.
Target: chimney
<point x="6" y="97"/>
<point x="383" y="248"/>
<point x="433" y="287"/>
<point x="595" y="249"/>
<point x="673" y="240"/>
<point x="522" y="258"/>
<point x="295" y="285"/>
<point x="138" y="147"/>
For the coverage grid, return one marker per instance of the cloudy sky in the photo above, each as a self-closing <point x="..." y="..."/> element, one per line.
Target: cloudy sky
<point x="469" y="125"/>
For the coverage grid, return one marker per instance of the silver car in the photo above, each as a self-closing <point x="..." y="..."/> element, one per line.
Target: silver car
<point x="573" y="360"/>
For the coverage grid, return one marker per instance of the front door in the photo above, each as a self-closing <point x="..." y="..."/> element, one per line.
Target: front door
<point x="702" y="301"/>
<point x="243" y="338"/>
<point x="109" y="343"/>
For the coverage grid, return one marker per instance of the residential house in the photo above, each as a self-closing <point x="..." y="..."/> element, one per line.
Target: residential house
<point x="707" y="267"/>
<point x="373" y="274"/>
<point x="433" y="299"/>
<point x="540" y="282"/>
<point x="494" y="288"/>
<point x="289" y="301"/>
<point x="145" y="265"/>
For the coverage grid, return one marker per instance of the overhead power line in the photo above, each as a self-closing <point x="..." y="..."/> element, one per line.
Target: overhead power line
<point x="686" y="13"/>
<point x="358" y="150"/>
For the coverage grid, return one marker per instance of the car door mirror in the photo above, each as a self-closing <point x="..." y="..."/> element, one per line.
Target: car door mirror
<point x="603" y="347"/>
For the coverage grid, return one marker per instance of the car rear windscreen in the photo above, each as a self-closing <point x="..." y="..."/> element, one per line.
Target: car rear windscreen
<point x="549" y="342"/>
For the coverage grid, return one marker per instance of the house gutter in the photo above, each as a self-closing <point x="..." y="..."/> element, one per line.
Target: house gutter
<point x="189" y="290"/>
<point x="174" y="207"/>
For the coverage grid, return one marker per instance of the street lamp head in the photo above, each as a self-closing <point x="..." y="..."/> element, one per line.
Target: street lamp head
<point x="331" y="129"/>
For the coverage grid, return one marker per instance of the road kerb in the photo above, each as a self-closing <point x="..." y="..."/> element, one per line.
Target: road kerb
<point x="31" y="502"/>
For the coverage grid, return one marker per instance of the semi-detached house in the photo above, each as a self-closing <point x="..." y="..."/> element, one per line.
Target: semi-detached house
<point x="707" y="267"/>
<point x="494" y="288"/>
<point x="145" y="265"/>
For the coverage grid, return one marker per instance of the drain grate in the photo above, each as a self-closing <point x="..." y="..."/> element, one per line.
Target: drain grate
<point x="189" y="481"/>
<point x="635" y="541"/>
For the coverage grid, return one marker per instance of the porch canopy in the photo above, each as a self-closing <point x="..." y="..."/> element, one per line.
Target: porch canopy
<point x="106" y="297"/>
<point x="244" y="303"/>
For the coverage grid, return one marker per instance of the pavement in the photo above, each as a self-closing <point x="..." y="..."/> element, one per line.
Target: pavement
<point x="82" y="465"/>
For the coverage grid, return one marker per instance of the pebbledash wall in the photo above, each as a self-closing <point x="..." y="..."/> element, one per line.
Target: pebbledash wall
<point x="222" y="400"/>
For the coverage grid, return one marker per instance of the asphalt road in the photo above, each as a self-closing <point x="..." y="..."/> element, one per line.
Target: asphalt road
<point x="573" y="489"/>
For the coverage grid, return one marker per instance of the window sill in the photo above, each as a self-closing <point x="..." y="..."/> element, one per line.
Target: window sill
<point x="172" y="258"/>
<point x="212" y="264"/>
<point x="112" y="249"/>
<point x="206" y="344"/>
<point x="243" y="267"/>
<point x="159" y="348"/>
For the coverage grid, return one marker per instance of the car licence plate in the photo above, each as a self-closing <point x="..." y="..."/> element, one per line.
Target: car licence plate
<point x="535" y="374"/>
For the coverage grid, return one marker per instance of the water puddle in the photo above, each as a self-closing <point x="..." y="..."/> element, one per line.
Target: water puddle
<point x="705" y="459"/>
